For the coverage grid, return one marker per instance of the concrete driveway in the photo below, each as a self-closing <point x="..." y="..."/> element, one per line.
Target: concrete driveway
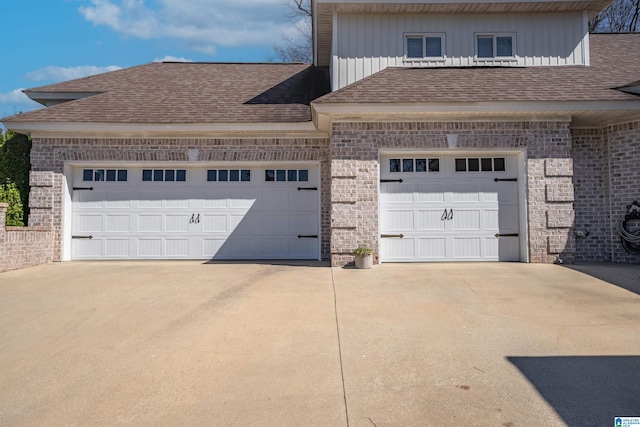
<point x="186" y="343"/>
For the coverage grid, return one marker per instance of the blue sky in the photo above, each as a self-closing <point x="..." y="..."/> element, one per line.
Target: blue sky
<point x="48" y="41"/>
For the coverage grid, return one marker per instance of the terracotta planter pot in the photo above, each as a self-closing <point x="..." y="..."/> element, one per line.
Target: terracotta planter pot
<point x="364" y="261"/>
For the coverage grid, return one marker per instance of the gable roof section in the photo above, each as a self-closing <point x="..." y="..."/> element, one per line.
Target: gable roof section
<point x="186" y="93"/>
<point x="615" y="62"/>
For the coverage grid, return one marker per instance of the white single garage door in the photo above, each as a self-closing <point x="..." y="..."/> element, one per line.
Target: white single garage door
<point x="449" y="208"/>
<point x="215" y="212"/>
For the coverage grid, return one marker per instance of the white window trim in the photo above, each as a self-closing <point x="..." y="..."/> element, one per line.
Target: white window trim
<point x="443" y="43"/>
<point x="494" y="59"/>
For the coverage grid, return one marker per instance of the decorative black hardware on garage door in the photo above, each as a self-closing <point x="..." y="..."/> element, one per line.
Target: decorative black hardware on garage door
<point x="447" y="215"/>
<point x="83" y="188"/>
<point x="194" y="219"/>
<point x="82" y="237"/>
<point x="392" y="236"/>
<point x="507" y="235"/>
<point x="505" y="179"/>
<point x="391" y="180"/>
<point x="308" y="188"/>
<point x="307" y="236"/>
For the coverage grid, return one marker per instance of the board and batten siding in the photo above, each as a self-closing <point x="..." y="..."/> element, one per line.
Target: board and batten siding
<point x="367" y="43"/>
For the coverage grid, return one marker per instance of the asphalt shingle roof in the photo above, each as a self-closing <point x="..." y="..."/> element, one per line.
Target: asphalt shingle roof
<point x="184" y="93"/>
<point x="615" y="62"/>
<point x="189" y="93"/>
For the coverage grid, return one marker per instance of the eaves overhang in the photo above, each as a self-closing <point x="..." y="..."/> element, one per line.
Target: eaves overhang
<point x="580" y="113"/>
<point x="49" y="99"/>
<point x="159" y="131"/>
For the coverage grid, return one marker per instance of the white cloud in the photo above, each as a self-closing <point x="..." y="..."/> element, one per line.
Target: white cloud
<point x="201" y="25"/>
<point x="59" y="74"/>
<point x="15" y="102"/>
<point x="169" y="58"/>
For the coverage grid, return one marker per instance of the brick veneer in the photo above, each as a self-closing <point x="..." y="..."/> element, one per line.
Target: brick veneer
<point x="577" y="180"/>
<point x="49" y="155"/>
<point x="354" y="170"/>
<point x="23" y="246"/>
<point x="623" y="145"/>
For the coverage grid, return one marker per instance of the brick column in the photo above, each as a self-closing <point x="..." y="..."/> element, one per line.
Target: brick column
<point x="41" y="199"/>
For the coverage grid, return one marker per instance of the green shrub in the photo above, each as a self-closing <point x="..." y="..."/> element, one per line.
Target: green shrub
<point x="9" y="194"/>
<point x="14" y="176"/>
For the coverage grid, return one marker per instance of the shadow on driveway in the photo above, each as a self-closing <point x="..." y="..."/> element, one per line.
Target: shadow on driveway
<point x="585" y="390"/>
<point x="626" y="276"/>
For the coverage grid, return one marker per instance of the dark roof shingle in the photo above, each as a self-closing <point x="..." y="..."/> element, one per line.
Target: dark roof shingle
<point x="615" y="62"/>
<point x="189" y="93"/>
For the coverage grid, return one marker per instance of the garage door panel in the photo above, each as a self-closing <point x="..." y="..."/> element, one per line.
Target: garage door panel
<point x="465" y="192"/>
<point x="509" y="219"/>
<point x="177" y="223"/>
<point x="177" y="203"/>
<point x="490" y="219"/>
<point x="429" y="220"/>
<point x="398" y="249"/>
<point x="117" y="248"/>
<point x="177" y="248"/>
<point x="215" y="223"/>
<point x="87" y="248"/>
<point x="215" y="199"/>
<point x="151" y="248"/>
<point x="431" y="248"/>
<point x="88" y="223"/>
<point x="118" y="223"/>
<point x="467" y="247"/>
<point x="397" y="219"/>
<point x="89" y="199"/>
<point x="397" y="193"/>
<point x="508" y="248"/>
<point x="302" y="199"/>
<point x="213" y="247"/>
<point x="278" y="198"/>
<point x="118" y="200"/>
<point x="492" y="248"/>
<point x="151" y="199"/>
<point x="150" y="223"/>
<point x="464" y="219"/>
<point x="303" y="248"/>
<point x="429" y="193"/>
<point x="303" y="223"/>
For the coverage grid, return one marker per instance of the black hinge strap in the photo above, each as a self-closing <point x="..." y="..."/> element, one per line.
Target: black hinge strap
<point x="82" y="237"/>
<point x="392" y="236"/>
<point x="307" y="188"/>
<point x="308" y="236"/>
<point x="507" y="235"/>
<point x="83" y="188"/>
<point x="505" y="179"/>
<point x="391" y="180"/>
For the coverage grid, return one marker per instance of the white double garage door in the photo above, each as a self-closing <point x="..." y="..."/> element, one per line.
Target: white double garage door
<point x="212" y="212"/>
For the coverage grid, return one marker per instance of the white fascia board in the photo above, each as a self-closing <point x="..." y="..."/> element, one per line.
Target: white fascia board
<point x="339" y="109"/>
<point x="133" y="130"/>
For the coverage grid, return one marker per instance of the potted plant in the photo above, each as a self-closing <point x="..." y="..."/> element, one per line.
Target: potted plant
<point x="363" y="257"/>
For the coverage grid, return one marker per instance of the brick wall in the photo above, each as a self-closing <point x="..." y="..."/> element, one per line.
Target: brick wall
<point x="49" y="155"/>
<point x="591" y="204"/>
<point x="623" y="143"/>
<point x="23" y="246"/>
<point x="354" y="159"/>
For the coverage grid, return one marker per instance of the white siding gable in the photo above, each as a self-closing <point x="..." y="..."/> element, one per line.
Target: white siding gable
<point x="367" y="43"/>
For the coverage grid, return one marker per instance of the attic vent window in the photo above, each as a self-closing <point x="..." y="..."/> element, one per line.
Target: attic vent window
<point x="424" y="46"/>
<point x="490" y="46"/>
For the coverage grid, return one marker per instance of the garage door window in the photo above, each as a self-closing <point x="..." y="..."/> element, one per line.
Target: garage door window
<point x="485" y="164"/>
<point x="414" y="165"/>
<point x="271" y="175"/>
<point x="233" y="175"/>
<point x="109" y="175"/>
<point x="164" y="175"/>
